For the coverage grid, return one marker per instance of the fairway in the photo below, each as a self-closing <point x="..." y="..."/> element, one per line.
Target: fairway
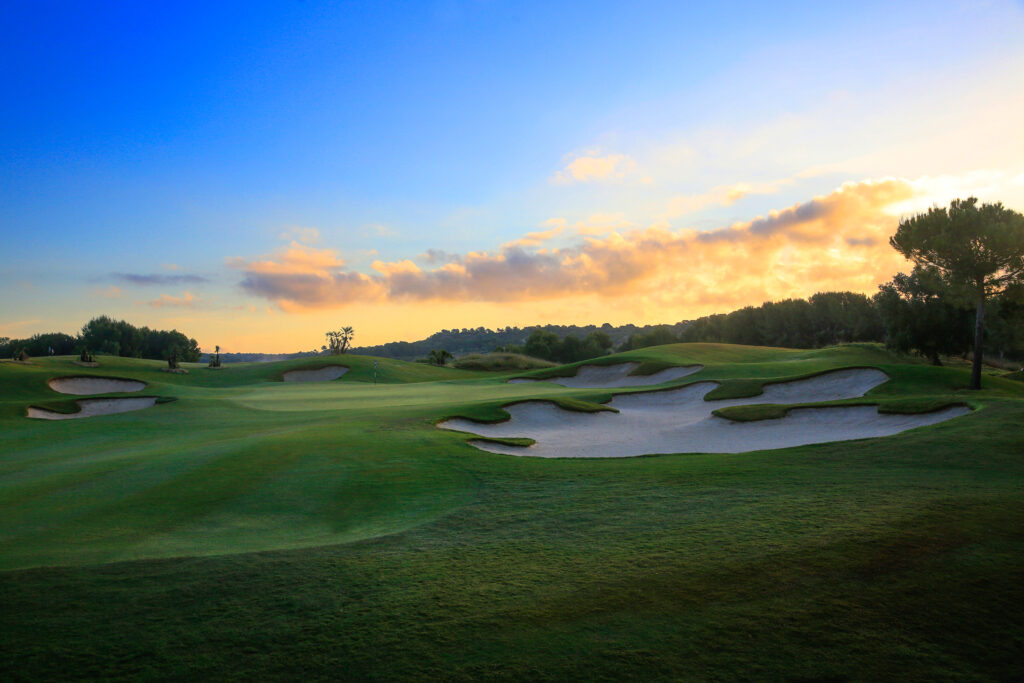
<point x="243" y="524"/>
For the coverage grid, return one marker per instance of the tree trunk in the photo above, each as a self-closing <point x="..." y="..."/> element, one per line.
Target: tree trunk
<point x="979" y="338"/>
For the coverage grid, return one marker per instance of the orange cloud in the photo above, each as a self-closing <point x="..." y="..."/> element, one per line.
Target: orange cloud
<point x="723" y="195"/>
<point x="300" y="234"/>
<point x="533" y="239"/>
<point x="837" y="241"/>
<point x="186" y="300"/>
<point x="591" y="167"/>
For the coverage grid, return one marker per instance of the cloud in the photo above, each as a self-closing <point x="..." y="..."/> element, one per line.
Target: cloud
<point x="592" y="168"/>
<point x="156" y="279"/>
<point x="15" y="327"/>
<point x="379" y="230"/>
<point x="986" y="185"/>
<point x="436" y="256"/>
<point x="722" y="195"/>
<point x="186" y="300"/>
<point x="836" y="241"/>
<point x="300" y="234"/>
<point x="298" y="277"/>
<point x="533" y="239"/>
<point x="110" y="292"/>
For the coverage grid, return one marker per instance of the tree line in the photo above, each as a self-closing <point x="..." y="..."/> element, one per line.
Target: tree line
<point x="107" y="336"/>
<point x="824" y="319"/>
<point x="464" y="341"/>
<point x="547" y="345"/>
<point x="907" y="315"/>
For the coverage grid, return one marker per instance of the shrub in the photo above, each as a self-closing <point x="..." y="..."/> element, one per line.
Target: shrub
<point x="500" y="362"/>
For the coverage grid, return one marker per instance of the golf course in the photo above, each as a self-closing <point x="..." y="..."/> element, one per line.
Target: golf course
<point x="861" y="517"/>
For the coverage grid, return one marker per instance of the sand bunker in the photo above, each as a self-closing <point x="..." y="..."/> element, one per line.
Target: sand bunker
<point x="93" y="407"/>
<point x="610" y="376"/>
<point x="331" y="372"/>
<point x="94" y="385"/>
<point x="680" y="421"/>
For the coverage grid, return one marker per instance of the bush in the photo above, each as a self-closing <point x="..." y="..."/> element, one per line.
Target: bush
<point x="500" y="362"/>
<point x="547" y="346"/>
<point x="439" y="357"/>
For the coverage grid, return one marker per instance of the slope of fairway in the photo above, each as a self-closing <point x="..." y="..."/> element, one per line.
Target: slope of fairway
<point x="402" y="552"/>
<point x="203" y="475"/>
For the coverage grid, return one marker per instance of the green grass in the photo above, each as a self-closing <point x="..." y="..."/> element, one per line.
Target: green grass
<point x="251" y="528"/>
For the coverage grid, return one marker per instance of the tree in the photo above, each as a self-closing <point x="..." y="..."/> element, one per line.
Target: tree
<point x="840" y="317"/>
<point x="655" y="337"/>
<point x="917" y="317"/>
<point x="1004" y="324"/>
<point x="105" y="335"/>
<point x="339" y="341"/>
<point x="974" y="251"/>
<point x="439" y="357"/>
<point x="597" y="344"/>
<point x="541" y="344"/>
<point x="569" y="350"/>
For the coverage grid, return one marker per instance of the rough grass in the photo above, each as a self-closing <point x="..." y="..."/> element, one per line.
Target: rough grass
<point x="254" y="529"/>
<point x="499" y="362"/>
<point x="772" y="411"/>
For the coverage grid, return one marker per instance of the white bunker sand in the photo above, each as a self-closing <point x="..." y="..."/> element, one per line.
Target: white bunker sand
<point x="94" y="385"/>
<point x="93" y="407"/>
<point x="680" y="421"/>
<point x="331" y="372"/>
<point x="609" y="376"/>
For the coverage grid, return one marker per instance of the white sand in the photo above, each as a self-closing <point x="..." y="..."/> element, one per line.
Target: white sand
<point x="331" y="372"/>
<point x="92" y="407"/>
<point x="94" y="385"/>
<point x="680" y="421"/>
<point x="610" y="376"/>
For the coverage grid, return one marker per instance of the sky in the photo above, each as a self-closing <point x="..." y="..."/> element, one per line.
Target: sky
<point x="254" y="174"/>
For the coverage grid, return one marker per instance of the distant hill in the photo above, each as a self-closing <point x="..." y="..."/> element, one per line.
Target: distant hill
<point x="484" y="340"/>
<point x="462" y="342"/>
<point x="257" y="357"/>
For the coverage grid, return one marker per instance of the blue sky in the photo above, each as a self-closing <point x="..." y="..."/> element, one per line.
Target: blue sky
<point x="191" y="140"/>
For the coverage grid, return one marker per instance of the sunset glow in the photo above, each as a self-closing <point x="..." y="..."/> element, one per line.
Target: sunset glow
<point x="467" y="164"/>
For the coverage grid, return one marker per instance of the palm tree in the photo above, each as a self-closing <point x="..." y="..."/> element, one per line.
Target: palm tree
<point x="340" y="340"/>
<point x="346" y="338"/>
